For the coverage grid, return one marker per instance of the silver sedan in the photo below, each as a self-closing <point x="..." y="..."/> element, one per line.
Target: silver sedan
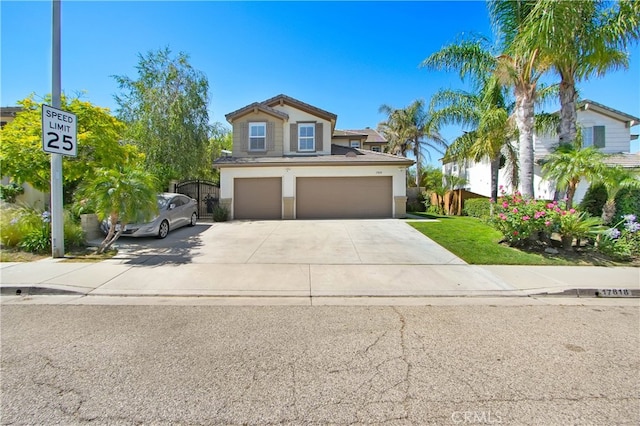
<point x="174" y="211"/>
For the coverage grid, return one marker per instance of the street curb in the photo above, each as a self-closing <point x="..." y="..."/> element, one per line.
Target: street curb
<point x="37" y="291"/>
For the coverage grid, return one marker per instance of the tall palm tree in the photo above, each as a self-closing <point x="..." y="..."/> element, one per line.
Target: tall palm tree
<point x="123" y="196"/>
<point x="580" y="40"/>
<point x="488" y="115"/>
<point x="569" y="164"/>
<point x="411" y="129"/>
<point x="614" y="179"/>
<point x="518" y="68"/>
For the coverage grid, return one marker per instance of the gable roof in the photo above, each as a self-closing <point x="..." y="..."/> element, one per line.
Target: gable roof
<point x="587" y="104"/>
<point x="372" y="135"/>
<point x="303" y="106"/>
<point x="254" y="107"/>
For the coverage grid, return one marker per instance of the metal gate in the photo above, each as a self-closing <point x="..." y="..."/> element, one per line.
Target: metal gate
<point x="206" y="193"/>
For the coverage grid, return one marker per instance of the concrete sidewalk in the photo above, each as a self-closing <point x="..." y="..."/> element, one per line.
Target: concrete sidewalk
<point x="118" y="277"/>
<point x="299" y="259"/>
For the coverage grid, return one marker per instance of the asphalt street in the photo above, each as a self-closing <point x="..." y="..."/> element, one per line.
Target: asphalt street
<point x="528" y="365"/>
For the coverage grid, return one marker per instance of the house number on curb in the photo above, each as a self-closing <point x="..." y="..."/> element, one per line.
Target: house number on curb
<point x="59" y="131"/>
<point x="614" y="292"/>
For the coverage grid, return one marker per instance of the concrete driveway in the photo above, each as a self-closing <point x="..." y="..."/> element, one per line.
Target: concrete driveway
<point x="385" y="257"/>
<point x="314" y="242"/>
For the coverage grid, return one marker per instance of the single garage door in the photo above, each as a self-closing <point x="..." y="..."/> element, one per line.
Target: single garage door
<point x="344" y="197"/>
<point x="257" y="198"/>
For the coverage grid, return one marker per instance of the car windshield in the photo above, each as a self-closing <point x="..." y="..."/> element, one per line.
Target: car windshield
<point x="163" y="202"/>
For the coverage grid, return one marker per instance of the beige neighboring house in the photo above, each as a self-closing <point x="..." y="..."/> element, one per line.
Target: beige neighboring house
<point x="603" y="127"/>
<point x="289" y="162"/>
<point x="31" y="196"/>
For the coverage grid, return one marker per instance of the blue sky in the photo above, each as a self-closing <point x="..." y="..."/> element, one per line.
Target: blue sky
<point x="344" y="57"/>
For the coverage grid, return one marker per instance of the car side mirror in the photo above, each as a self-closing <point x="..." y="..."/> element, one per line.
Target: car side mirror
<point x="172" y="206"/>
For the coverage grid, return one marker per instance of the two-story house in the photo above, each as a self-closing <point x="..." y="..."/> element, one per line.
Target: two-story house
<point x="289" y="162"/>
<point x="601" y="126"/>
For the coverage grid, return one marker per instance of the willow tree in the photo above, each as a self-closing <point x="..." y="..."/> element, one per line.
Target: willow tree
<point x="165" y="110"/>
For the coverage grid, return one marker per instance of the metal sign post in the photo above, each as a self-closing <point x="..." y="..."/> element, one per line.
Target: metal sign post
<point x="57" y="212"/>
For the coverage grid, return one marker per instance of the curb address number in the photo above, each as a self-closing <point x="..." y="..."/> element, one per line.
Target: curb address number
<point x="614" y="292"/>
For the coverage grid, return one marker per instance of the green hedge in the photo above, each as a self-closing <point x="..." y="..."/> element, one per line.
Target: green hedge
<point x="477" y="207"/>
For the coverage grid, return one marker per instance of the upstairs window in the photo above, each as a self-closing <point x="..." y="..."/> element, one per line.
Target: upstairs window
<point x="375" y="148"/>
<point x="593" y="136"/>
<point x="354" y="143"/>
<point x="306" y="137"/>
<point x="257" y="136"/>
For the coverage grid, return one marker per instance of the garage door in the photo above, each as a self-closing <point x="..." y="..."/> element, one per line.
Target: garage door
<point x="344" y="197"/>
<point x="257" y="198"/>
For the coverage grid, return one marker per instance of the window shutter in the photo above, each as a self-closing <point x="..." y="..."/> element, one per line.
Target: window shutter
<point x="318" y="136"/>
<point x="293" y="136"/>
<point x="244" y="136"/>
<point x="598" y="136"/>
<point x="270" y="138"/>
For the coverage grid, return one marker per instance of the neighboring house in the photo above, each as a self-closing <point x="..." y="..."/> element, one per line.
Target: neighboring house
<point x="289" y="162"/>
<point x="31" y="196"/>
<point x="7" y="114"/>
<point x="601" y="126"/>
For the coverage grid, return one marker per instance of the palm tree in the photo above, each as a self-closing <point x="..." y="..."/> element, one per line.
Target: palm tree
<point x="569" y="164"/>
<point x="411" y="129"/>
<point x="489" y="116"/>
<point x="580" y="40"/>
<point x="123" y="196"/>
<point x="614" y="179"/>
<point x="517" y="68"/>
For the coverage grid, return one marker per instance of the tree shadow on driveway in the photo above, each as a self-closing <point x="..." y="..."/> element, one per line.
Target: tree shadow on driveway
<point x="177" y="248"/>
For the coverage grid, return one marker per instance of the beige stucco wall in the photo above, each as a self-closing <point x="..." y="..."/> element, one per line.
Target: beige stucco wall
<point x="240" y="146"/>
<point x="289" y="175"/>
<point x="295" y="115"/>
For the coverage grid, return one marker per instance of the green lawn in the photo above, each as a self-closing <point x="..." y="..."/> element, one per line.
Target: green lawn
<point x="477" y="243"/>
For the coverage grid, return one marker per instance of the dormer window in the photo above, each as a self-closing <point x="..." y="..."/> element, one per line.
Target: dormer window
<point x="257" y="136"/>
<point x="306" y="137"/>
<point x="354" y="143"/>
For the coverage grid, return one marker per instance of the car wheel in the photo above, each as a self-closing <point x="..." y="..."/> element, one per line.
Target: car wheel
<point x="164" y="229"/>
<point x="194" y="219"/>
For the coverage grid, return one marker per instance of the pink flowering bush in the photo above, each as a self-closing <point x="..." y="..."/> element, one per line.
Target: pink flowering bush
<point x="520" y="219"/>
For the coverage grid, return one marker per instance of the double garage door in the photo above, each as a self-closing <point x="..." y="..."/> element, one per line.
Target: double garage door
<point x="316" y="197"/>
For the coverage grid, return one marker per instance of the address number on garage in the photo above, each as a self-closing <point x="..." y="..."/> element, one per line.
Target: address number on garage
<point x="59" y="131"/>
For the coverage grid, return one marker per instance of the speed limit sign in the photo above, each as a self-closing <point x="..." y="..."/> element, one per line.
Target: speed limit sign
<point x="59" y="131"/>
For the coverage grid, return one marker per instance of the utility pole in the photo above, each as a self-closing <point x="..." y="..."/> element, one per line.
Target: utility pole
<point x="57" y="212"/>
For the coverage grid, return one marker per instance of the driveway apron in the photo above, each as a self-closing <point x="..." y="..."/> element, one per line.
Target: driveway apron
<point x="342" y="258"/>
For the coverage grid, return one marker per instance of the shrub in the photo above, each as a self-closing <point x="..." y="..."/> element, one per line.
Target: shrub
<point x="30" y="229"/>
<point x="627" y="202"/>
<point x="73" y="234"/>
<point x="477" y="207"/>
<point x="594" y="200"/>
<point x="520" y="219"/>
<point x="220" y="214"/>
<point x="10" y="191"/>
<point x="624" y="243"/>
